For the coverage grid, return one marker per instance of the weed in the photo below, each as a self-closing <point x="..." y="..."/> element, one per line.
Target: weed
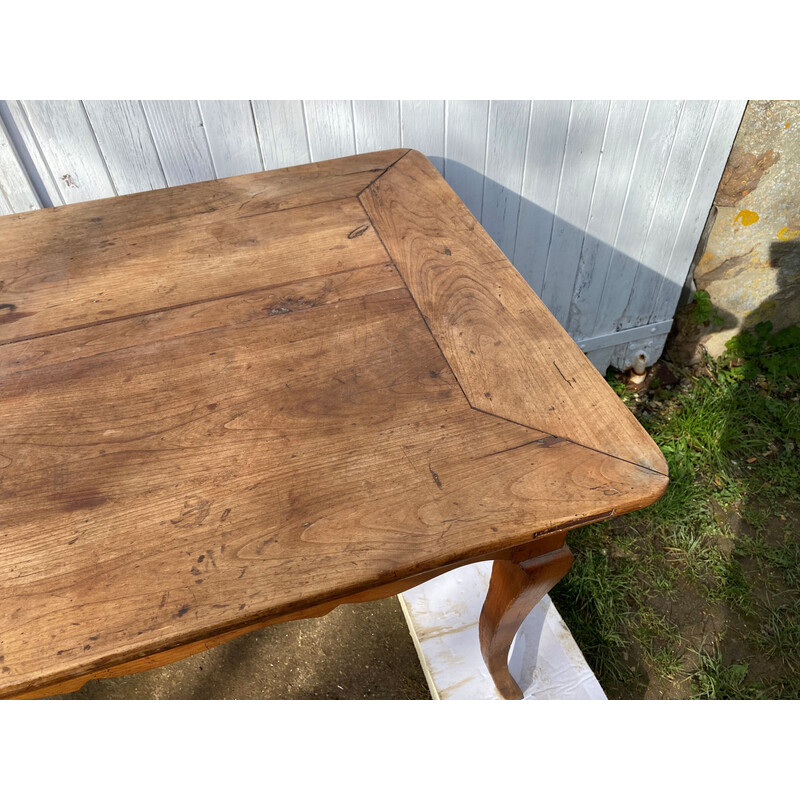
<point x="713" y="681"/>
<point x="667" y="663"/>
<point x="760" y="352"/>
<point x="703" y="312"/>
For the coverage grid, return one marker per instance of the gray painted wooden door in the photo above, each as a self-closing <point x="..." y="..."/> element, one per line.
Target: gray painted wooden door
<point x="599" y="204"/>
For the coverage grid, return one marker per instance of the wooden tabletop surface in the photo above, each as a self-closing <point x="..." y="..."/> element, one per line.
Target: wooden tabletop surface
<point x="230" y="401"/>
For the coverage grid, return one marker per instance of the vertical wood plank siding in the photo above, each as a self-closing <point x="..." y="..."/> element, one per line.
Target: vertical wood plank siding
<point x="16" y="192"/>
<point x="126" y="144"/>
<point x="422" y="127"/>
<point x="505" y="162"/>
<point x="232" y="137"/>
<point x="180" y="140"/>
<point x="547" y="136"/>
<point x="331" y="130"/>
<point x="68" y="145"/>
<point x="465" y="150"/>
<point x="598" y="204"/>
<point x="282" y="132"/>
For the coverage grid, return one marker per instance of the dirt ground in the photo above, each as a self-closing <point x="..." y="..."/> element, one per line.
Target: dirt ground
<point x="356" y="652"/>
<point x="706" y="627"/>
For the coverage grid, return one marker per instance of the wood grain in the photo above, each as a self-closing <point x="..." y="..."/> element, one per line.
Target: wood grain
<point x="465" y="150"/>
<point x="514" y="590"/>
<point x="53" y="289"/>
<point x="632" y="172"/>
<point x="182" y="145"/>
<point x="194" y="204"/>
<point x="588" y="121"/>
<point x="283" y="435"/>
<point x="64" y="137"/>
<point x="232" y="137"/>
<point x="16" y="193"/>
<point x="164" y="657"/>
<point x="126" y="144"/>
<point x="281" y="127"/>
<point x="257" y="471"/>
<point x="331" y="132"/>
<point x="544" y="159"/>
<point x="505" y="156"/>
<point x="239" y="308"/>
<point x="510" y="356"/>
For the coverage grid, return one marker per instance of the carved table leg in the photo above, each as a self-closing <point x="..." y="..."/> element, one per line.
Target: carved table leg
<point x="514" y="589"/>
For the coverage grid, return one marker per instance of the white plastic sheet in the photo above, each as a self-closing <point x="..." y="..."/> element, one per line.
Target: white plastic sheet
<point x="442" y="615"/>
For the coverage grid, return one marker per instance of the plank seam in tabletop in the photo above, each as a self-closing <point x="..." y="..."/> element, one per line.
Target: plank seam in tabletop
<point x="291" y="208"/>
<point x="187" y="304"/>
<point x="190" y="190"/>
<point x="160" y="309"/>
<point x="322" y="202"/>
<point x="378" y="177"/>
<point x="420" y="193"/>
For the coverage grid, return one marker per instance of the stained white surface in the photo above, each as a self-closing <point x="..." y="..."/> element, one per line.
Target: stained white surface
<point x="442" y="616"/>
<point x="598" y="205"/>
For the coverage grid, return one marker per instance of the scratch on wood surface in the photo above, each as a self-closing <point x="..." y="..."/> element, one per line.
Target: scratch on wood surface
<point x="569" y="382"/>
<point x="403" y="451"/>
<point x="545" y="439"/>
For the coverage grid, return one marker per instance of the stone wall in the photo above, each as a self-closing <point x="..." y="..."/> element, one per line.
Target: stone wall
<point x="751" y="262"/>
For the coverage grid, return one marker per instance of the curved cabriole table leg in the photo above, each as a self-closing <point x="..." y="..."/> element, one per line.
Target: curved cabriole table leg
<point x="514" y="589"/>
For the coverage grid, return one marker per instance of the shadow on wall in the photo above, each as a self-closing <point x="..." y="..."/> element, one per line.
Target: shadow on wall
<point x="599" y="293"/>
<point x="784" y="258"/>
<point x="686" y="346"/>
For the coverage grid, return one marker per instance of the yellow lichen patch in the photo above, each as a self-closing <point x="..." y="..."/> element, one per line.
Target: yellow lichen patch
<point x="787" y="124"/>
<point x="746" y="217"/>
<point x="786" y="235"/>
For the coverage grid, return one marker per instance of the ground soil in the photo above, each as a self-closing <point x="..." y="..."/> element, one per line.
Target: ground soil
<point x="356" y="652"/>
<point x="708" y="627"/>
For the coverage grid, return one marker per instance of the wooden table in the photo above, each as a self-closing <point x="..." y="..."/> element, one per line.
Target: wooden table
<point x="245" y="401"/>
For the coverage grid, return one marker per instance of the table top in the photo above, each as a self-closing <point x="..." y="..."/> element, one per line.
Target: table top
<point x="230" y="401"/>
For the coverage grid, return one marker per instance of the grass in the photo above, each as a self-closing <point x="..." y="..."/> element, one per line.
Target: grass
<point x="699" y="595"/>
